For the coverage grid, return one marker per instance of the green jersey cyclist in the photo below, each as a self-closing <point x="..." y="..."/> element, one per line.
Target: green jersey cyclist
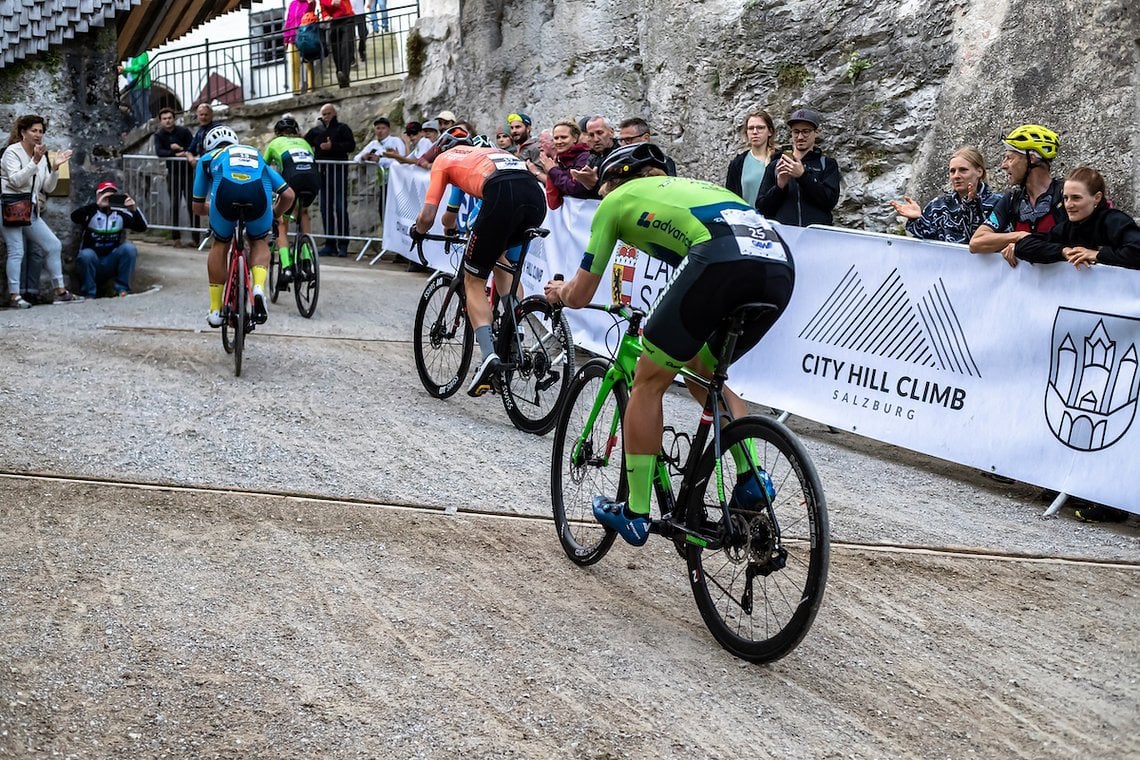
<point x="292" y="157"/>
<point x="726" y="255"/>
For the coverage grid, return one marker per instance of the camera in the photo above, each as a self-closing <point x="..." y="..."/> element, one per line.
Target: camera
<point x="119" y="200"/>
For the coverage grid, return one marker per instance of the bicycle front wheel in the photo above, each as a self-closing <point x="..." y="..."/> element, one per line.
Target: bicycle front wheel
<point x="306" y="274"/>
<point x="242" y="318"/>
<point x="442" y="339"/>
<point x="759" y="593"/>
<point x="540" y="366"/>
<point x="586" y="461"/>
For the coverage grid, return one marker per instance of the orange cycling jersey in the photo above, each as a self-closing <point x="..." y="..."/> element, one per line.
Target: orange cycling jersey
<point x="468" y="168"/>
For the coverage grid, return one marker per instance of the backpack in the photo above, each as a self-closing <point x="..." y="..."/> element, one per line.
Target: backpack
<point x="308" y="40"/>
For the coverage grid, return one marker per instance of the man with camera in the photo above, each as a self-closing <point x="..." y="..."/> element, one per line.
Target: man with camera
<point x="104" y="253"/>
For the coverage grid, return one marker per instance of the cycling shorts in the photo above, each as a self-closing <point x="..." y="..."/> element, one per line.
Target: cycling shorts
<point x="306" y="186"/>
<point x="224" y="214"/>
<point x="513" y="202"/>
<point x="712" y="280"/>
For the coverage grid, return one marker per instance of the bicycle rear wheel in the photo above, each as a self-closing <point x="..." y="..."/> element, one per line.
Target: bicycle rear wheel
<point x="760" y="592"/>
<point x="306" y="274"/>
<point x="442" y="339"/>
<point x="534" y="388"/>
<point x="587" y="462"/>
<point x="242" y="318"/>
<point x="274" y="271"/>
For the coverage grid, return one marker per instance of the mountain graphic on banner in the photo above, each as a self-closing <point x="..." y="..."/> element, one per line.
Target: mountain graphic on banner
<point x="887" y="322"/>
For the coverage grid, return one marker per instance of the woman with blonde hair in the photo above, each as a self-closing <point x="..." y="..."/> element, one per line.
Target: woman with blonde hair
<point x="953" y="216"/>
<point x="746" y="171"/>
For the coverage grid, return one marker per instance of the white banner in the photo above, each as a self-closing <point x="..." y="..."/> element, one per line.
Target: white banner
<point x="1030" y="372"/>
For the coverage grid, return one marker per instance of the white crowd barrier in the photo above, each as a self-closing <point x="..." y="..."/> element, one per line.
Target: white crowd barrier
<point x="1032" y="372"/>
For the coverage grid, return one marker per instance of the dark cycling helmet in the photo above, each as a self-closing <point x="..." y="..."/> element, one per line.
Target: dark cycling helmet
<point x="1034" y="137"/>
<point x="217" y="137"/>
<point x="453" y="136"/>
<point x="481" y="141"/>
<point x="287" y="126"/>
<point x="628" y="159"/>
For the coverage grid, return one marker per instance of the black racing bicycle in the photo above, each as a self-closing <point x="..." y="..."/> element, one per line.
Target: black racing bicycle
<point x="306" y="281"/>
<point x="531" y="337"/>
<point x="758" y="568"/>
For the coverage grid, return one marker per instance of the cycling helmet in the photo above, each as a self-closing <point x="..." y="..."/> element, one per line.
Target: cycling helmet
<point x="481" y="141"/>
<point x="287" y="126"/>
<point x="628" y="159"/>
<point x="1034" y="137"/>
<point x="453" y="136"/>
<point x="217" y="137"/>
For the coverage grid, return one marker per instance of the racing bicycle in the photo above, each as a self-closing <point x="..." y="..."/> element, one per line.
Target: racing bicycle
<point x="306" y="270"/>
<point x="757" y="569"/>
<point x="531" y="337"/>
<point x="237" y="299"/>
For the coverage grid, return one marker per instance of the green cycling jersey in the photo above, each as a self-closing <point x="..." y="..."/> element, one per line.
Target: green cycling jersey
<point x="663" y="216"/>
<point x="284" y="152"/>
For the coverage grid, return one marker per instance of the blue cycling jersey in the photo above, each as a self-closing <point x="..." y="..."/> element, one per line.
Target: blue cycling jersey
<point x="234" y="177"/>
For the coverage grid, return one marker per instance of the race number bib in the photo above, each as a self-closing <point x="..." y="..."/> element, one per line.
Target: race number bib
<point x="300" y="158"/>
<point x="506" y="162"/>
<point x="242" y="156"/>
<point x="754" y="234"/>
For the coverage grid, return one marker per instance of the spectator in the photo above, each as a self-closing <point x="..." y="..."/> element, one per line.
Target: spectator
<point x="333" y="142"/>
<point x="1035" y="204"/>
<point x="953" y="217"/>
<point x="415" y="142"/>
<point x="446" y="120"/>
<point x="526" y="147"/>
<point x="1093" y="233"/>
<point x="25" y="167"/>
<point x="376" y="152"/>
<point x="205" y="115"/>
<point x="105" y="255"/>
<point x="800" y="185"/>
<point x="137" y="72"/>
<point x="340" y="39"/>
<point x="302" y="71"/>
<point x="600" y="139"/>
<point x="382" y="22"/>
<point x="172" y="142"/>
<point x="746" y="171"/>
<point x="636" y="129"/>
<point x="569" y="154"/>
<point x="361" y="33"/>
<point x="503" y="139"/>
<point x="545" y="143"/>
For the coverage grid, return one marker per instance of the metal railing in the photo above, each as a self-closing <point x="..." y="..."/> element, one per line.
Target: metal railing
<point x="162" y="188"/>
<point x="261" y="68"/>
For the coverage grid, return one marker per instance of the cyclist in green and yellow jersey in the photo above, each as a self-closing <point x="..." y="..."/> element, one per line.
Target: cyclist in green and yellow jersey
<point x="292" y="156"/>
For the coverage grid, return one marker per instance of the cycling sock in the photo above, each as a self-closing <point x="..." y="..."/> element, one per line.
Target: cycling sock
<point x="259" y="276"/>
<point x="742" y="453"/>
<point x="639" y="475"/>
<point x="286" y="259"/>
<point x="217" y="292"/>
<point x="483" y="335"/>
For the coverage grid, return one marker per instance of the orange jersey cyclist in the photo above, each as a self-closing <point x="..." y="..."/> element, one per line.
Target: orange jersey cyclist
<point x="512" y="202"/>
<point x="228" y="174"/>
<point x="726" y="255"/>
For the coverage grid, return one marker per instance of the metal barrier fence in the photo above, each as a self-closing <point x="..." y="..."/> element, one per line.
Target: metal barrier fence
<point x="259" y="68"/>
<point x="162" y="188"/>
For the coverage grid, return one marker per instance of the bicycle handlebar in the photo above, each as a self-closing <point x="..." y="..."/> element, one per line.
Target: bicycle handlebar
<point x="418" y="243"/>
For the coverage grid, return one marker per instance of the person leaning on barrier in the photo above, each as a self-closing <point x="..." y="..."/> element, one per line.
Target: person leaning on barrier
<point x="376" y="152"/>
<point x="105" y="255"/>
<point x="1035" y="203"/>
<point x="172" y="142"/>
<point x="333" y="142"/>
<point x="954" y="216"/>
<point x="636" y="130"/>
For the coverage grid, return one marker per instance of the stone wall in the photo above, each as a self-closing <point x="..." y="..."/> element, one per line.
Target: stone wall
<point x="900" y="84"/>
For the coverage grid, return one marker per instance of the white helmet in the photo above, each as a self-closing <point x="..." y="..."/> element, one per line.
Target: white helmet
<point x="217" y="137"/>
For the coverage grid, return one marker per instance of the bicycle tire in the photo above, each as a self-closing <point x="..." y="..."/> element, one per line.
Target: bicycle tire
<point x="790" y="572"/>
<point x="578" y="474"/>
<point x="533" y="390"/>
<point x="227" y="312"/>
<point x="307" y="275"/>
<point x="274" y="271"/>
<point x="442" y="339"/>
<point x="242" y="318"/>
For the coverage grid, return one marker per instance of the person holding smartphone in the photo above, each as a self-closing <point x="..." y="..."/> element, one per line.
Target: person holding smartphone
<point x="105" y="255"/>
<point x="375" y="153"/>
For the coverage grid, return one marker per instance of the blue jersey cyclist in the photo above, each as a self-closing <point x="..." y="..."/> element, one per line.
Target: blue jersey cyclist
<point x="726" y="255"/>
<point x="238" y="183"/>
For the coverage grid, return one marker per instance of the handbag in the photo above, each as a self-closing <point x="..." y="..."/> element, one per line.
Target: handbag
<point x="16" y="209"/>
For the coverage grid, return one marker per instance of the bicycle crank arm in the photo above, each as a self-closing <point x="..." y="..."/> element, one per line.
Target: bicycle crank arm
<point x="671" y="529"/>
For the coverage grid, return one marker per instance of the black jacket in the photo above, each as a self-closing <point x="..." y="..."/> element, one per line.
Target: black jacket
<point x="103" y="231"/>
<point x="1111" y="232"/>
<point x="735" y="170"/>
<point x="163" y="139"/>
<point x="343" y="143"/>
<point x="806" y="200"/>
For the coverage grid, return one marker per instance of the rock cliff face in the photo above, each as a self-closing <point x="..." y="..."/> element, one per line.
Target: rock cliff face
<point x="900" y="84"/>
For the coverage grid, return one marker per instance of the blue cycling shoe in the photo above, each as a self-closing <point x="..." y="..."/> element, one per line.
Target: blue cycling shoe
<point x="634" y="528"/>
<point x="753" y="490"/>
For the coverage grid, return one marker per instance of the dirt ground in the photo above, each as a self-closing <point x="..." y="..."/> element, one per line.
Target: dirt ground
<point x="312" y="612"/>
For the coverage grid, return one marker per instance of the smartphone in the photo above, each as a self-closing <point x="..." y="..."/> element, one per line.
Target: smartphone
<point x="119" y="199"/>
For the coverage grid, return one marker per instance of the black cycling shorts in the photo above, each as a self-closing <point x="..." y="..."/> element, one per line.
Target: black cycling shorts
<point x="513" y="202"/>
<point x="713" y="279"/>
<point x="306" y="186"/>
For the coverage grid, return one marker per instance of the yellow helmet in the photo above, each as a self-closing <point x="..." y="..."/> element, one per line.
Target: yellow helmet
<point x="1034" y="137"/>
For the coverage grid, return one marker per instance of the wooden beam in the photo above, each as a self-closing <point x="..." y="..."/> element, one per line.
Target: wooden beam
<point x="178" y="20"/>
<point x="129" y="27"/>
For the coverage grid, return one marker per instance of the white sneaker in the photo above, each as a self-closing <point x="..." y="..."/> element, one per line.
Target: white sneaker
<point x="214" y="319"/>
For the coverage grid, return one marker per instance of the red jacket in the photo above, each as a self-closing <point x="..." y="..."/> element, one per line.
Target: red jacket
<point x="337" y="8"/>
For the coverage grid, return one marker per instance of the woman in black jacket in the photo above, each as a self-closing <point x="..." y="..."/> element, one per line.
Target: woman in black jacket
<point x="1094" y="234"/>
<point x="746" y="171"/>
